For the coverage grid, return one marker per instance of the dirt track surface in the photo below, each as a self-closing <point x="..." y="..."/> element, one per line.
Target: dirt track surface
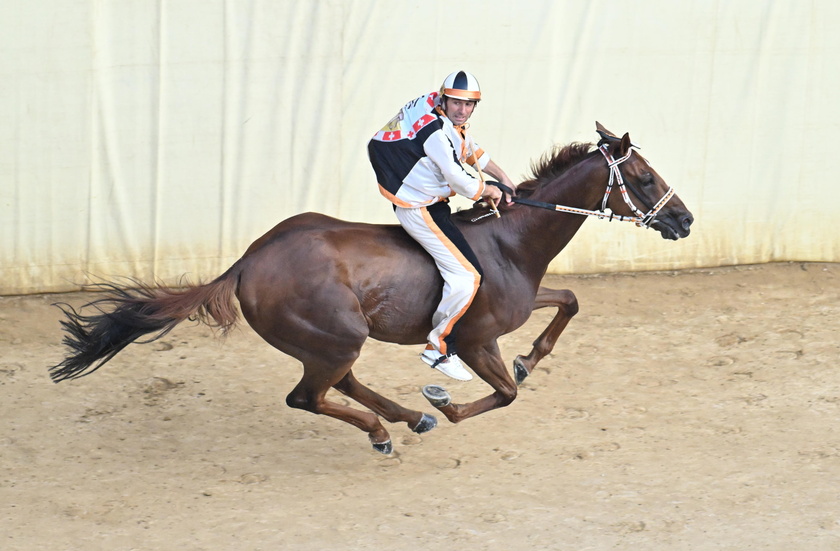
<point x="690" y="410"/>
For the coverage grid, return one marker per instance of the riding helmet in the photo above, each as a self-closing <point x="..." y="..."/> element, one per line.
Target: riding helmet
<point x="461" y="85"/>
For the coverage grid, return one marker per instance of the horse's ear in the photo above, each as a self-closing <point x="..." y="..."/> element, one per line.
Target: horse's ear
<point x="606" y="135"/>
<point x="625" y="145"/>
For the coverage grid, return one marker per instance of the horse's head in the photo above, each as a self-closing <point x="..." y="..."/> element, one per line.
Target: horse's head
<point x="636" y="190"/>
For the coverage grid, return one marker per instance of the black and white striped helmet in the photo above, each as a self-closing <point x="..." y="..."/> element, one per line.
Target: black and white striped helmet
<point x="461" y="85"/>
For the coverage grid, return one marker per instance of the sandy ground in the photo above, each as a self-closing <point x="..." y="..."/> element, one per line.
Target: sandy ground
<point x="690" y="410"/>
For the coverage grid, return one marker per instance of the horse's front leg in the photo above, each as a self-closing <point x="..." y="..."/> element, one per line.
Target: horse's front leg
<point x="567" y="307"/>
<point x="487" y="363"/>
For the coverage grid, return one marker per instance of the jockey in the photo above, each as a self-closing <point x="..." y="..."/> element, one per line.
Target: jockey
<point x="418" y="160"/>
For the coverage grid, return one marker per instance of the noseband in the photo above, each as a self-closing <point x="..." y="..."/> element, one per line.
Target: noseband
<point x="641" y="219"/>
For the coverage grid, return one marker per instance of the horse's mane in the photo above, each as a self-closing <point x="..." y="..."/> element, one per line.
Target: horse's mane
<point x="547" y="168"/>
<point x="552" y="164"/>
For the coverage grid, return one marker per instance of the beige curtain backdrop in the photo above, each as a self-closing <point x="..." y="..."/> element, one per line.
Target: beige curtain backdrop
<point x="155" y="138"/>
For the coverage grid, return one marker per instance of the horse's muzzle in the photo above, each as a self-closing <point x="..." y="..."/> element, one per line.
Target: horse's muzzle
<point x="673" y="225"/>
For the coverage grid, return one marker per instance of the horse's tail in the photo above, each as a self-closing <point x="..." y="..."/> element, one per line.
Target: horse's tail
<point x="123" y="316"/>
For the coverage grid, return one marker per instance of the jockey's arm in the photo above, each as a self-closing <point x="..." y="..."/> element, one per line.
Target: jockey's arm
<point x="498" y="174"/>
<point x="438" y="148"/>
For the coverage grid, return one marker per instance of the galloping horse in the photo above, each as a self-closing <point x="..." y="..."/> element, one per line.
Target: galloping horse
<point x="316" y="288"/>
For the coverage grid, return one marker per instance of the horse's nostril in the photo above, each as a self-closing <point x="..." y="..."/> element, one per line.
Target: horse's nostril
<point x="686" y="222"/>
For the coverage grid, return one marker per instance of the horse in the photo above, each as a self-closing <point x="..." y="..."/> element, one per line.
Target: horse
<point x="316" y="288"/>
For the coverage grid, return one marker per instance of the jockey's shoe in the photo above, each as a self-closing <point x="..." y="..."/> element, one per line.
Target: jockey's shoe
<point x="448" y="365"/>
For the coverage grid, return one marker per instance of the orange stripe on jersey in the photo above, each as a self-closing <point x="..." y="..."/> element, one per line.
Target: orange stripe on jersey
<point x="406" y="205"/>
<point x="393" y="198"/>
<point x="473" y="159"/>
<point x="480" y="193"/>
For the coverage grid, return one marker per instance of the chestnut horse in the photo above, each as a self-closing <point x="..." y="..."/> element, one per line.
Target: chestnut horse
<point x="316" y="288"/>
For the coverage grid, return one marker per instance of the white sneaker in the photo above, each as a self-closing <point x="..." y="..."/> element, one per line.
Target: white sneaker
<point x="448" y="365"/>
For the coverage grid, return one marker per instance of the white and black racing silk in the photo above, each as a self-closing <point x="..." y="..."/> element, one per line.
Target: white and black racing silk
<point x="417" y="156"/>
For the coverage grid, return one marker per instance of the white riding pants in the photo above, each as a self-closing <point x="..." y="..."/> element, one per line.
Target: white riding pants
<point x="432" y="228"/>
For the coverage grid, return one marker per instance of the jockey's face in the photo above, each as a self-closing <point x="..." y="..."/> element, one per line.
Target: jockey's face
<point x="458" y="110"/>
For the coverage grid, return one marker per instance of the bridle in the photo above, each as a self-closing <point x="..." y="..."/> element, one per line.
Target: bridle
<point x="641" y="219"/>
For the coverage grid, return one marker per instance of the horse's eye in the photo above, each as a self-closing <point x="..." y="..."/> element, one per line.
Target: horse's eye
<point x="646" y="179"/>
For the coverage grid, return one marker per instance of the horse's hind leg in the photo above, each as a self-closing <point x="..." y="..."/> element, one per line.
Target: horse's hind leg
<point x="391" y="411"/>
<point x="310" y="395"/>
<point x="567" y="307"/>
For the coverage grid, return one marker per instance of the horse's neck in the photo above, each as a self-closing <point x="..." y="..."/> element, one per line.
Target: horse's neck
<point x="545" y="233"/>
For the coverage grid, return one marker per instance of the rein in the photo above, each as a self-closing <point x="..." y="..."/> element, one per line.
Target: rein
<point x="643" y="220"/>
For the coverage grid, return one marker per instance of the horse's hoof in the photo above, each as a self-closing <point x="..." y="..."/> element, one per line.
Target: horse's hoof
<point x="427" y="423"/>
<point x="384" y="447"/>
<point x="437" y="395"/>
<point x="520" y="373"/>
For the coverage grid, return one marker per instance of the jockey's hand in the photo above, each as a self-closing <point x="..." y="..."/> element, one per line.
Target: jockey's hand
<point x="495" y="194"/>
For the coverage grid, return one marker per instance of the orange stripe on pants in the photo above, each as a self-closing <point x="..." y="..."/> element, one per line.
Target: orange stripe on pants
<point x="461" y="278"/>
